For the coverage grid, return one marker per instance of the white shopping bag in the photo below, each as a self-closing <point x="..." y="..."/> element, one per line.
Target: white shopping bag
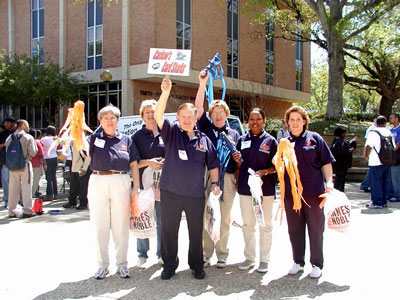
<point x="212" y="222"/>
<point x="337" y="210"/>
<point x="255" y="184"/>
<point x="143" y="224"/>
<point x="151" y="178"/>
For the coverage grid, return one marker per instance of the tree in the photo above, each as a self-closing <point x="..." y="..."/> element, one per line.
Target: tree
<point x="375" y="55"/>
<point x="331" y="24"/>
<point x="23" y="82"/>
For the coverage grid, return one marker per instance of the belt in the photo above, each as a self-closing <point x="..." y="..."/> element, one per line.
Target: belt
<point x="108" y="172"/>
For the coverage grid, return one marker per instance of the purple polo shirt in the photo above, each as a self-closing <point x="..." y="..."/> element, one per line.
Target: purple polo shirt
<point x="257" y="153"/>
<point x="186" y="161"/>
<point x="148" y="146"/>
<point x="312" y="153"/>
<point x="212" y="132"/>
<point x="111" y="153"/>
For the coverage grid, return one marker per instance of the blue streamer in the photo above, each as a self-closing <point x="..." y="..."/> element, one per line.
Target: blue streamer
<point x="216" y="72"/>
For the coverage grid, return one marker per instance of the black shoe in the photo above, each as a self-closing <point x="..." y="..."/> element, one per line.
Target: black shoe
<point x="69" y="205"/>
<point x="167" y="274"/>
<point x="81" y="207"/>
<point x="12" y="216"/>
<point x="199" y="274"/>
<point x="25" y="216"/>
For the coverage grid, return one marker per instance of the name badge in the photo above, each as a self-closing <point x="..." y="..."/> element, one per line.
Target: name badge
<point x="160" y="141"/>
<point x="182" y="155"/>
<point x="246" y="144"/>
<point x="99" y="143"/>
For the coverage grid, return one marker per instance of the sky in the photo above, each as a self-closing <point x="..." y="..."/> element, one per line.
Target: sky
<point x="318" y="54"/>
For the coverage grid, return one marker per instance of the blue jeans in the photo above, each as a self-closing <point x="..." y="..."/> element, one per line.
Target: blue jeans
<point x="143" y="244"/>
<point x="51" y="177"/>
<point x="5" y="178"/>
<point x="380" y="184"/>
<point x="395" y="173"/>
<point x="365" y="184"/>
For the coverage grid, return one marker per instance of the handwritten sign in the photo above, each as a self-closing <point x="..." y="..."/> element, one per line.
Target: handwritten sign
<point x="169" y="61"/>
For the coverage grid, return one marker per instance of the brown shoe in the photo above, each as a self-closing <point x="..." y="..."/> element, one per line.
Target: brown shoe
<point x="24" y="215"/>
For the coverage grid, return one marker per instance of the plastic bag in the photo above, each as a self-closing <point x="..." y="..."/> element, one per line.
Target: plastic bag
<point x="212" y="222"/>
<point x="255" y="184"/>
<point x="151" y="178"/>
<point x="337" y="210"/>
<point x="143" y="224"/>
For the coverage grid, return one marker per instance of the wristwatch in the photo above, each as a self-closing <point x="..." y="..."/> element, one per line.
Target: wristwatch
<point x="215" y="182"/>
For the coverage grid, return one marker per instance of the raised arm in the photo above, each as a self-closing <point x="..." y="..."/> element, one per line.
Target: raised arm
<point x="162" y="102"/>
<point x="199" y="102"/>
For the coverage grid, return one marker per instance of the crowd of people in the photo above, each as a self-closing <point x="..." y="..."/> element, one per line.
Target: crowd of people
<point x="188" y="164"/>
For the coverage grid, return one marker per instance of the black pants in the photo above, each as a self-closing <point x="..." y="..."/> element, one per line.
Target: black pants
<point x="51" y="177"/>
<point x="340" y="178"/>
<point x="314" y="218"/>
<point x="78" y="187"/>
<point x="172" y="206"/>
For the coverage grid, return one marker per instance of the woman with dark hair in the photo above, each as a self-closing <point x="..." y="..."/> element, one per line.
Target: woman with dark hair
<point x="314" y="162"/>
<point x="50" y="156"/>
<point x="256" y="148"/>
<point x="342" y="150"/>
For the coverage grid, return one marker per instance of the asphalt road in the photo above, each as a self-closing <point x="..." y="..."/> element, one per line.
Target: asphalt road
<point x="52" y="257"/>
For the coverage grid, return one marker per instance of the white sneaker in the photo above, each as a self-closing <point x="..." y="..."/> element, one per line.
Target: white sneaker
<point x="221" y="263"/>
<point x="247" y="264"/>
<point x="101" y="273"/>
<point x="207" y="262"/>
<point x="141" y="261"/>
<point x="124" y="272"/>
<point x="295" y="269"/>
<point x="316" y="272"/>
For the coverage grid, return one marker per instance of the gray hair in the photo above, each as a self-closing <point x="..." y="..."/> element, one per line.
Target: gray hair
<point x="147" y="103"/>
<point x="109" y="109"/>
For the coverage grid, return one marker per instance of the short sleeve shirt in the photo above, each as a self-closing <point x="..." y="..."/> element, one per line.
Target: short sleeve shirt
<point x="49" y="150"/>
<point x="374" y="141"/>
<point x="212" y="132"/>
<point x="257" y="153"/>
<point x="312" y="153"/>
<point x="36" y="163"/>
<point x="396" y="133"/>
<point x="186" y="161"/>
<point x="112" y="153"/>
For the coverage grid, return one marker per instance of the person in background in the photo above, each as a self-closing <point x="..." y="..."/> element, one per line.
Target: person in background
<point x="50" y="155"/>
<point x="380" y="180"/>
<point x="187" y="154"/>
<point x="257" y="148"/>
<point x="365" y="185"/>
<point x="151" y="152"/>
<point x="283" y="132"/>
<point x="10" y="127"/>
<point x="109" y="193"/>
<point x="314" y="162"/>
<point x="342" y="150"/>
<point x="218" y="113"/>
<point x="37" y="163"/>
<point x="21" y="179"/>
<point x="395" y="170"/>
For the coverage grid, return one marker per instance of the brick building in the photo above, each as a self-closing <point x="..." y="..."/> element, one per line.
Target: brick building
<point x="94" y="36"/>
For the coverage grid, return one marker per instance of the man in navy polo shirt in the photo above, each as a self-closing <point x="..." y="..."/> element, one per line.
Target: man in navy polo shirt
<point x="187" y="154"/>
<point x="218" y="111"/>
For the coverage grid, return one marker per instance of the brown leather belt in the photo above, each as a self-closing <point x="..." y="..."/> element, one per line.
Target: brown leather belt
<point x="108" y="172"/>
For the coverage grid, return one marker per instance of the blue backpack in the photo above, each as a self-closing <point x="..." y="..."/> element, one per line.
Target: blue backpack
<point x="15" y="159"/>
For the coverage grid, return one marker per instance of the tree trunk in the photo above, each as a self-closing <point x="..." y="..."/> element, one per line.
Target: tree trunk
<point x="385" y="106"/>
<point x="336" y="63"/>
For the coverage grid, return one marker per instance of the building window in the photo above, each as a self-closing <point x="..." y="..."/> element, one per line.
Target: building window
<point x="97" y="100"/>
<point x="183" y="24"/>
<point x="37" y="30"/>
<point x="269" y="52"/>
<point x="95" y="35"/>
<point x="233" y="39"/>
<point x="299" y="65"/>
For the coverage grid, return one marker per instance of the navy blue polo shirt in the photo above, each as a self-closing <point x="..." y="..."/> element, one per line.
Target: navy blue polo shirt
<point x="312" y="153"/>
<point x="186" y="160"/>
<point x="148" y="146"/>
<point x="111" y="153"/>
<point x="212" y="132"/>
<point x="257" y="153"/>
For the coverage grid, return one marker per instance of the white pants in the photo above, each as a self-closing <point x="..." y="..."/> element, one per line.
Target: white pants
<point x="20" y="184"/>
<point x="249" y="228"/>
<point x="109" y="200"/>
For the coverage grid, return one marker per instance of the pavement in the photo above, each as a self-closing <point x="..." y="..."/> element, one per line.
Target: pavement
<point x="52" y="257"/>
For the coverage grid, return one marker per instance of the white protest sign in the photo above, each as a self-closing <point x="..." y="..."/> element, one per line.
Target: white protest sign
<point x="169" y="61"/>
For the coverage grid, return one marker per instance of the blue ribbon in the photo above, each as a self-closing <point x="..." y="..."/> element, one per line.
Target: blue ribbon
<point x="216" y="72"/>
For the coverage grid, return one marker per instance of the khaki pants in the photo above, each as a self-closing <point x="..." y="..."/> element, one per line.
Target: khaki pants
<point x="37" y="174"/>
<point x="249" y="228"/>
<point x="109" y="200"/>
<point x="20" y="182"/>
<point x="221" y="247"/>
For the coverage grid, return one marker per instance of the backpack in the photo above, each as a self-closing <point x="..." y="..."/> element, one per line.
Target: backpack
<point x="387" y="154"/>
<point x="15" y="159"/>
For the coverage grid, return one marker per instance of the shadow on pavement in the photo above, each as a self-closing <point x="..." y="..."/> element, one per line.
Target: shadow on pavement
<point x="145" y="284"/>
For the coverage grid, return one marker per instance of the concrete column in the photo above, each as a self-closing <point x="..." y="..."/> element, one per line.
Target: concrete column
<point x="126" y="82"/>
<point x="63" y="36"/>
<point x="11" y="28"/>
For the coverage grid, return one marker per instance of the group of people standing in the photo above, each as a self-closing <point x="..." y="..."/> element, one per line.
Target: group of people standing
<point x="186" y="154"/>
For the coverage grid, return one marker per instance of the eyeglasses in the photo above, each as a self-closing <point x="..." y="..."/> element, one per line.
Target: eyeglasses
<point x="112" y="119"/>
<point x="219" y="114"/>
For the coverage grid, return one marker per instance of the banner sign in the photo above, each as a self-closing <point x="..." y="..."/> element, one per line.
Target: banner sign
<point x="169" y="61"/>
